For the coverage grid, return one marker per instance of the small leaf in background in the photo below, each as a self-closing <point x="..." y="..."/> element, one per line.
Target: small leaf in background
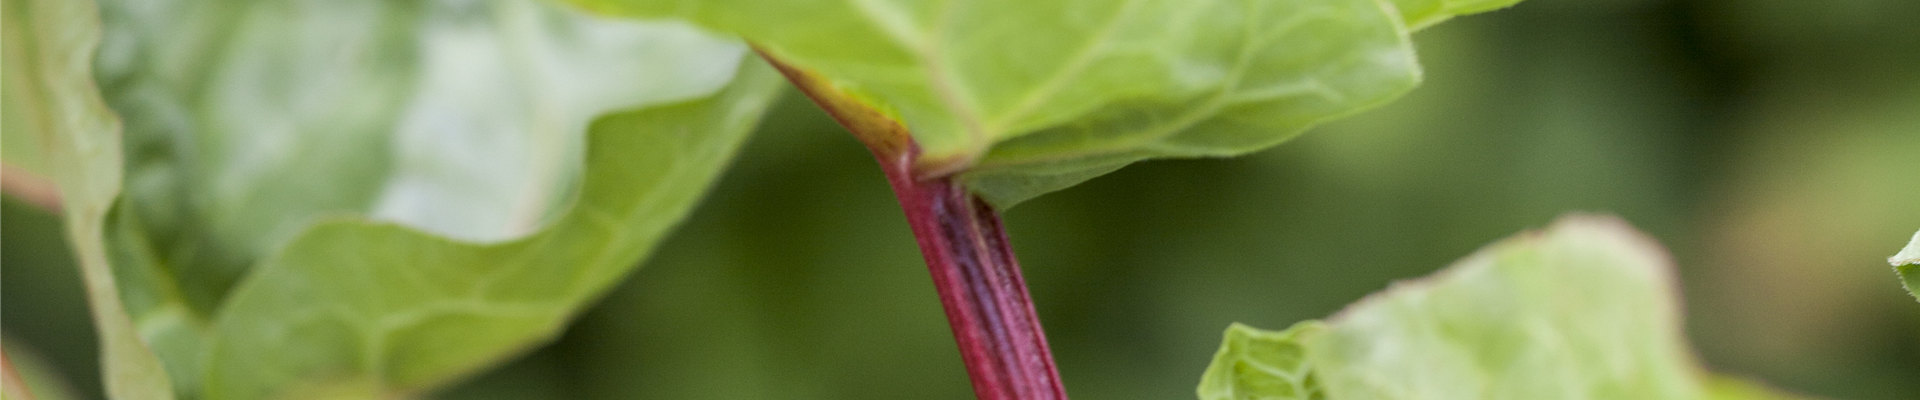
<point x="1256" y="364"/>
<point x="1028" y="97"/>
<point x="1586" y="309"/>
<point x="388" y="309"/>
<point x="1907" y="263"/>
<point x="50" y="93"/>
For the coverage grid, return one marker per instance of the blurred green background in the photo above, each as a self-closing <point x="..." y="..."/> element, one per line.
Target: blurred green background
<point x="1773" y="145"/>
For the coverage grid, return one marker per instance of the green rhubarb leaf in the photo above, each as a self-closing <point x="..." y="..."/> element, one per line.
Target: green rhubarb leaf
<point x="250" y="121"/>
<point x="1025" y="97"/>
<point x="1586" y="309"/>
<point x="1253" y="364"/>
<point x="373" y="307"/>
<point x="1907" y="264"/>
<point x="50" y="93"/>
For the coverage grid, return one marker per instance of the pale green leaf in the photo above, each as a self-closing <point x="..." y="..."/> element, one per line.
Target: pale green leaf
<point x="1586" y="309"/>
<point x="388" y="309"/>
<point x="250" y="121"/>
<point x="1026" y="97"/>
<point x="1253" y="364"/>
<point x="1907" y="264"/>
<point x="50" y="92"/>
<point x="1424" y="13"/>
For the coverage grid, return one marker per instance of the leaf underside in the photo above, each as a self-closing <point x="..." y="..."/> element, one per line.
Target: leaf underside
<point x="1027" y="97"/>
<point x="1907" y="264"/>
<point x="1586" y="309"/>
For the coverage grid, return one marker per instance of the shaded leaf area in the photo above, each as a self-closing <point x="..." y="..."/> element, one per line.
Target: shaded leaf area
<point x="248" y="123"/>
<point x="377" y="306"/>
<point x="1586" y="309"/>
<point x="1026" y="98"/>
<point x="1907" y="264"/>
<point x="50" y="94"/>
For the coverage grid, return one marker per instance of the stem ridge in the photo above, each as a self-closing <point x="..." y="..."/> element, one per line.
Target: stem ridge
<point x="967" y="252"/>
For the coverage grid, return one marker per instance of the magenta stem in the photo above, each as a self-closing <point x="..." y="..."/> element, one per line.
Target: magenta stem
<point x="967" y="252"/>
<point x="980" y="286"/>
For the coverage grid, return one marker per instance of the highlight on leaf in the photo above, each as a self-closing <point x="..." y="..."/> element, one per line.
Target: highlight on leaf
<point x="253" y="128"/>
<point x="1587" y="308"/>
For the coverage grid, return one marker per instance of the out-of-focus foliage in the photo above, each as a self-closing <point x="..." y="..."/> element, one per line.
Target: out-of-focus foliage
<point x="39" y="379"/>
<point x="50" y="94"/>
<point x="1585" y="309"/>
<point x="1026" y="97"/>
<point x="1907" y="264"/>
<point x="1769" y="143"/>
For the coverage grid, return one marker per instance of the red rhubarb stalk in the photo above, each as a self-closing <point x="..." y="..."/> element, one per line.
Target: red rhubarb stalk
<point x="967" y="252"/>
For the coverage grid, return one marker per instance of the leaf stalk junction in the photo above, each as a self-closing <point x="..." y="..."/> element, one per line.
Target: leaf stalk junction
<point x="973" y="266"/>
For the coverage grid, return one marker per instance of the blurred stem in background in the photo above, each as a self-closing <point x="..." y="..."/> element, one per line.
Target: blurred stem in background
<point x="11" y="384"/>
<point x="29" y="187"/>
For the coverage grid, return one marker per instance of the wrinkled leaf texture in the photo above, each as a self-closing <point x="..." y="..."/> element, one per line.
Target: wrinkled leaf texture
<point x="1024" y="97"/>
<point x="320" y="195"/>
<point x="1587" y="309"/>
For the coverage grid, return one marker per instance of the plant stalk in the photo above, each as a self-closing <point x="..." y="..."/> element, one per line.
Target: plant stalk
<point x="967" y="252"/>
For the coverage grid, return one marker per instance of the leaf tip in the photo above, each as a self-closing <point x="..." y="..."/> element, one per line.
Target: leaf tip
<point x="1908" y="255"/>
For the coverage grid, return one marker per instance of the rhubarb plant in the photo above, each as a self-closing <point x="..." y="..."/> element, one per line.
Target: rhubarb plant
<point x="363" y="199"/>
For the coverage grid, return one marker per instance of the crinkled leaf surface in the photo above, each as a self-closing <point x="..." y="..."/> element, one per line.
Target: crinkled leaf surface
<point x="50" y="94"/>
<point x="1586" y="309"/>
<point x="249" y="122"/>
<point x="374" y="305"/>
<point x="1907" y="264"/>
<point x="1256" y="364"/>
<point x="1026" y="97"/>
